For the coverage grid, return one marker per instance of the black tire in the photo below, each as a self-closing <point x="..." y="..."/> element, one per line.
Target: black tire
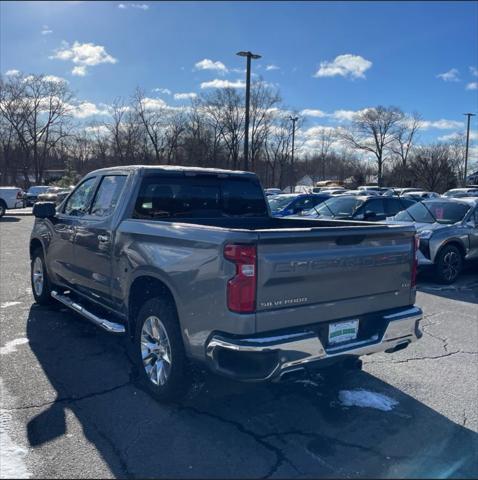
<point x="448" y="264"/>
<point x="42" y="295"/>
<point x="178" y="379"/>
<point x="3" y="208"/>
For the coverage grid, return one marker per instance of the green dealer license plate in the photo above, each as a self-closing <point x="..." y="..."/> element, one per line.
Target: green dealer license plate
<point x="343" y="331"/>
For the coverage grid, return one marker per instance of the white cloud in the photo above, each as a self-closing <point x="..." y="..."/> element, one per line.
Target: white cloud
<point x="272" y="67"/>
<point x="457" y="136"/>
<point x="87" y="109"/>
<point x="185" y="96"/>
<point x="217" y="83"/>
<point x="442" y="124"/>
<point x="207" y="64"/>
<point x="83" y="55"/>
<point x="153" y="103"/>
<point x="164" y="91"/>
<point x="12" y="73"/>
<point x="453" y="75"/>
<point x="346" y="115"/>
<point x="55" y="79"/>
<point x="347" y="65"/>
<point x="474" y="71"/>
<point x="309" y="112"/>
<point x="140" y="6"/>
<point x="100" y="130"/>
<point x="46" y="30"/>
<point x="472" y="86"/>
<point x="79" y="71"/>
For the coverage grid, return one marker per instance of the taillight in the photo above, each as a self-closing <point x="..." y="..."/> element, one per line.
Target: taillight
<point x="415" y="245"/>
<point x="241" y="289"/>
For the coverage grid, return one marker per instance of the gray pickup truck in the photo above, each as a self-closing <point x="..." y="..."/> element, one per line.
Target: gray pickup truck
<point x="190" y="264"/>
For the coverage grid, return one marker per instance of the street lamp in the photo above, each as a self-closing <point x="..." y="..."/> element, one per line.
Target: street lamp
<point x="248" y="55"/>
<point x="469" y="115"/>
<point x="293" y="119"/>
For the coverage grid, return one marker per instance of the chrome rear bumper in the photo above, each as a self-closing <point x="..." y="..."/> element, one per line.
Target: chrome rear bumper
<point x="288" y="352"/>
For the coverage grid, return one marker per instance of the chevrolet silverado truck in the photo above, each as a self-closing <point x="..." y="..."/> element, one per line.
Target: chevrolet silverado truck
<point x="190" y="265"/>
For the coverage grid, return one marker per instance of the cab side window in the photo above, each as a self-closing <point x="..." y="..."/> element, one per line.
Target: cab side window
<point x="77" y="204"/>
<point x="107" y="195"/>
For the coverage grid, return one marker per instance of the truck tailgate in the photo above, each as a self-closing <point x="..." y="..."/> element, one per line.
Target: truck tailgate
<point x="331" y="273"/>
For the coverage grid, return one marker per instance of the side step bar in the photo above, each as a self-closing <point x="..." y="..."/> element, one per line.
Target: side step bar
<point x="110" y="327"/>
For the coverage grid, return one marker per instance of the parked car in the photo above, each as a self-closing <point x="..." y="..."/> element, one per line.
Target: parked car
<point x="401" y="191"/>
<point x="421" y="195"/>
<point x="54" y="194"/>
<point x="10" y="197"/>
<point x="377" y="189"/>
<point x="293" y="204"/>
<point x="334" y="191"/>
<point x="32" y="194"/>
<point x="272" y="191"/>
<point x="366" y="207"/>
<point x="461" y="192"/>
<point x="371" y="193"/>
<point x="191" y="267"/>
<point x="448" y="233"/>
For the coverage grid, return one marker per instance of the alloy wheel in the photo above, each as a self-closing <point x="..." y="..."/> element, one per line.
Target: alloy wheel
<point x="155" y="350"/>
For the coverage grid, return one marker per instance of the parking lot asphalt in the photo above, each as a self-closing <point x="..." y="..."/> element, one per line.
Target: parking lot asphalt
<point x="70" y="406"/>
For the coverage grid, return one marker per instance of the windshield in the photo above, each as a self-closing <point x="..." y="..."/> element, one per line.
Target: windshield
<point x="280" y="202"/>
<point x="431" y="212"/>
<point x="339" y="206"/>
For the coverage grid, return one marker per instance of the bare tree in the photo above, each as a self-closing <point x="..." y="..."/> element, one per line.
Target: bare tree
<point x="373" y="131"/>
<point x="433" y="167"/>
<point x="263" y="105"/>
<point x="225" y="107"/>
<point x="38" y="109"/>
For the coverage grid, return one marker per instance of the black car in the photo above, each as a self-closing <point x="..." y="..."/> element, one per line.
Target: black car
<point x="371" y="209"/>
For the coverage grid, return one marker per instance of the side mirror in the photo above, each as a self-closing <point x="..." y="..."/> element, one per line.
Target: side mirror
<point x="44" y="209"/>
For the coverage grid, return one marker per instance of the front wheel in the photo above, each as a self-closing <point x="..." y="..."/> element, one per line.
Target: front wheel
<point x="3" y="208"/>
<point x="448" y="264"/>
<point x="159" y="351"/>
<point x="41" y="286"/>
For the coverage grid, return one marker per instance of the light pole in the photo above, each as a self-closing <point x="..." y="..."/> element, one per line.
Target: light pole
<point x="248" y="55"/>
<point x="469" y="115"/>
<point x="293" y="119"/>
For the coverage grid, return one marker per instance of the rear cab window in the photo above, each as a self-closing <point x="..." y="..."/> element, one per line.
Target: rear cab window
<point x="167" y="197"/>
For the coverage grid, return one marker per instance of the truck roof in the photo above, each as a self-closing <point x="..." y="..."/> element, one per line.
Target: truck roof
<point x="173" y="168"/>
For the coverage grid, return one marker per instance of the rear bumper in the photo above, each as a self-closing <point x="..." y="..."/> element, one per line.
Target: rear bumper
<point x="270" y="357"/>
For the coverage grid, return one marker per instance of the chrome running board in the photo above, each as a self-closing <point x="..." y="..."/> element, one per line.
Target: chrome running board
<point x="110" y="327"/>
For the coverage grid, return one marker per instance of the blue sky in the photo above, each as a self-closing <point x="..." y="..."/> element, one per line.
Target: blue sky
<point x="331" y="56"/>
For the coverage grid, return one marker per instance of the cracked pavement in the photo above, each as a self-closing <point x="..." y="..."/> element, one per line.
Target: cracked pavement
<point x="70" y="400"/>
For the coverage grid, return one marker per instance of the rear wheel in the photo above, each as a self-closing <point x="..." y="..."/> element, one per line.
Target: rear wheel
<point x="448" y="264"/>
<point x="3" y="208"/>
<point x="41" y="286"/>
<point x="159" y="351"/>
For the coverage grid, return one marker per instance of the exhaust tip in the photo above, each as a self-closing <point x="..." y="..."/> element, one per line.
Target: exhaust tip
<point x="400" y="346"/>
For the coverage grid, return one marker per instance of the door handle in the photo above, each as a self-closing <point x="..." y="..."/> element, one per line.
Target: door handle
<point x="103" y="238"/>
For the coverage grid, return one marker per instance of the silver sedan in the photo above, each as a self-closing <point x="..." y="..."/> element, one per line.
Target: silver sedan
<point x="448" y="233"/>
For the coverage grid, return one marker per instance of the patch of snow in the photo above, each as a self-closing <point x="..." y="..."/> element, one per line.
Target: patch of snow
<point x="10" y="347"/>
<point x="366" y="399"/>
<point x="9" y="304"/>
<point x="12" y="464"/>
